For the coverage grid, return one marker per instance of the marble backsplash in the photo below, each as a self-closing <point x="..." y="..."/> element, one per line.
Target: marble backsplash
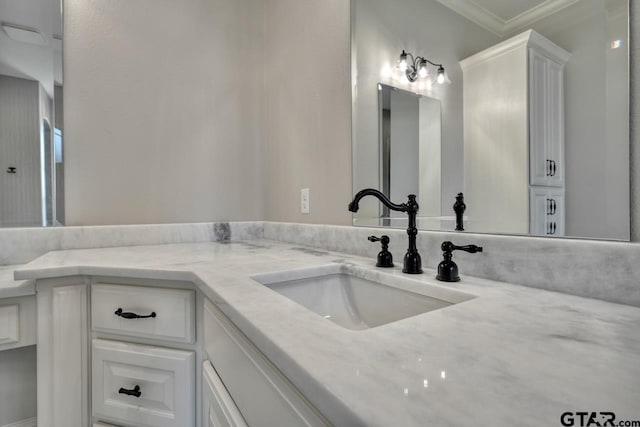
<point x="596" y="269"/>
<point x="21" y="245"/>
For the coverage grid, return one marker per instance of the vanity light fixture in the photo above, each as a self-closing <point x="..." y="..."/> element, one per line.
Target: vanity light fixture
<point x="415" y="68"/>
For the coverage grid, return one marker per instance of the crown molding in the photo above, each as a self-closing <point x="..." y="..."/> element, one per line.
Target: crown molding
<point x="476" y="14"/>
<point x="534" y="14"/>
<point x="528" y="38"/>
<point x="491" y="22"/>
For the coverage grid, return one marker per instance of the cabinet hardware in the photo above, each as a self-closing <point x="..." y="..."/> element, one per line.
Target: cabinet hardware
<point x="128" y="315"/>
<point x="133" y="392"/>
<point x="552" y="207"/>
<point x="551" y="228"/>
<point x="11" y="169"/>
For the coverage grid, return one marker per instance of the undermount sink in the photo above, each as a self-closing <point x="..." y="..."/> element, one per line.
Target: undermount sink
<point x="357" y="298"/>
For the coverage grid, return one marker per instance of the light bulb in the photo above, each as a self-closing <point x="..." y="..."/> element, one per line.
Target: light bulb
<point x="403" y="61"/>
<point x="441" y="78"/>
<point x="423" y="72"/>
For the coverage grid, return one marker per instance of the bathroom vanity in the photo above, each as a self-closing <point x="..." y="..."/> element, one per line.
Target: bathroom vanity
<point x="239" y="337"/>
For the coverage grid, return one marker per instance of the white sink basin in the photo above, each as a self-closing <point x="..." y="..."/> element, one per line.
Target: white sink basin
<point x="356" y="298"/>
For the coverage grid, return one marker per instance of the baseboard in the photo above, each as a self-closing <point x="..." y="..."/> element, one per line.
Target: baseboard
<point x="31" y="422"/>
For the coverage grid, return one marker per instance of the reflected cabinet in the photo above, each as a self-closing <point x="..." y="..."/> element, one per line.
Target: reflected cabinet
<point x="514" y="137"/>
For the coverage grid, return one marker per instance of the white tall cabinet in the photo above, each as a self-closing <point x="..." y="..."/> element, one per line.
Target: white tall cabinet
<point x="514" y="137"/>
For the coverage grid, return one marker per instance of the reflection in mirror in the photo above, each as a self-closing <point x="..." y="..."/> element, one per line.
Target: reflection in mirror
<point x="409" y="140"/>
<point x="31" y="126"/>
<point x="534" y="126"/>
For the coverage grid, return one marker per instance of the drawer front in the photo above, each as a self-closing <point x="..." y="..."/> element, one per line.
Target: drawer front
<point x="171" y="312"/>
<point x="261" y="393"/>
<point x="17" y="322"/>
<point x="143" y="385"/>
<point x="218" y="408"/>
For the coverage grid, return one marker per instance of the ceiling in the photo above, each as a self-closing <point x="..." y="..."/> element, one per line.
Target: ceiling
<point x="41" y="62"/>
<point x="503" y="17"/>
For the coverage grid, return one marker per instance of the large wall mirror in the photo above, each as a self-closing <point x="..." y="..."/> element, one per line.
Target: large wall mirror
<point x="31" y="117"/>
<point x="520" y="105"/>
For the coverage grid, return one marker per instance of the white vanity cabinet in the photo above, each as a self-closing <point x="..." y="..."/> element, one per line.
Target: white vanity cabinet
<point x="104" y="359"/>
<point x="218" y="407"/>
<point x="513" y="133"/>
<point x="143" y="353"/>
<point x="262" y="395"/>
<point x="17" y="322"/>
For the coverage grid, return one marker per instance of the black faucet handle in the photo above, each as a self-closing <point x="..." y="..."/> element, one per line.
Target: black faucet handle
<point x="382" y="239"/>
<point x="385" y="259"/>
<point x="448" y="247"/>
<point x="447" y="269"/>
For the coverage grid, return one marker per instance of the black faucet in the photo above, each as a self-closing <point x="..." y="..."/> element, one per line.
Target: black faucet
<point x="412" y="260"/>
<point x="459" y="207"/>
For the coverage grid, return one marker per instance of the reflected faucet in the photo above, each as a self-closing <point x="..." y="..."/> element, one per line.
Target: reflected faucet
<point x="412" y="260"/>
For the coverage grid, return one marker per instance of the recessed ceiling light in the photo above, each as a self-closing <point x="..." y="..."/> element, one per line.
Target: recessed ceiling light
<point x="23" y="34"/>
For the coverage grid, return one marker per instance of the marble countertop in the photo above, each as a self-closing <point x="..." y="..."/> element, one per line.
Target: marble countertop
<point x="511" y="356"/>
<point x="10" y="288"/>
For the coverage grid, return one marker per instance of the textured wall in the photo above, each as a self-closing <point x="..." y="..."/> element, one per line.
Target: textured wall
<point x="635" y="121"/>
<point x="163" y="110"/>
<point x="307" y="119"/>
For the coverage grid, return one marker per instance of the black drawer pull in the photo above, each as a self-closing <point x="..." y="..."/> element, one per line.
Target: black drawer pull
<point x="127" y="315"/>
<point x="133" y="392"/>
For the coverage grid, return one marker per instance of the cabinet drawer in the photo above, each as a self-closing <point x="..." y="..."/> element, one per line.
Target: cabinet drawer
<point x="172" y="312"/>
<point x="17" y="322"/>
<point x="262" y="394"/>
<point x="163" y="380"/>
<point x="218" y="408"/>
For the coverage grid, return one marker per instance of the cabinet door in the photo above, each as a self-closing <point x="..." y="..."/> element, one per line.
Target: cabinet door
<point x="539" y="164"/>
<point x="555" y="124"/>
<point x="546" y="212"/>
<point x="546" y="121"/>
<point x="537" y="211"/>
<point x="219" y="409"/>
<point x="143" y="385"/>
<point x="555" y="218"/>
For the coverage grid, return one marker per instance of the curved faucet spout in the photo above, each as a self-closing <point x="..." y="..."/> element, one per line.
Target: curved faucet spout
<point x="412" y="260"/>
<point x="355" y="204"/>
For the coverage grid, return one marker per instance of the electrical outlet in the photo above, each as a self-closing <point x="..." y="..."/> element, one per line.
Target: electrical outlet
<point x="304" y="201"/>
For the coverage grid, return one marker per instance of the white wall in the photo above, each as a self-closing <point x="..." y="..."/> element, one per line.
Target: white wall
<point x="163" y="111"/>
<point x="307" y="121"/>
<point x="430" y="168"/>
<point x="405" y="135"/>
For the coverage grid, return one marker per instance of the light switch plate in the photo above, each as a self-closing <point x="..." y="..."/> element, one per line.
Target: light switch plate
<point x="304" y="201"/>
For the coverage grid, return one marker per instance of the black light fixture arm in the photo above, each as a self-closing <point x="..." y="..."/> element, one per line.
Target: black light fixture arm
<point x="417" y="63"/>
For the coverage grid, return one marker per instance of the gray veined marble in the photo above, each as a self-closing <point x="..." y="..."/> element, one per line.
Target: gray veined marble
<point x="21" y="245"/>
<point x="511" y="356"/>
